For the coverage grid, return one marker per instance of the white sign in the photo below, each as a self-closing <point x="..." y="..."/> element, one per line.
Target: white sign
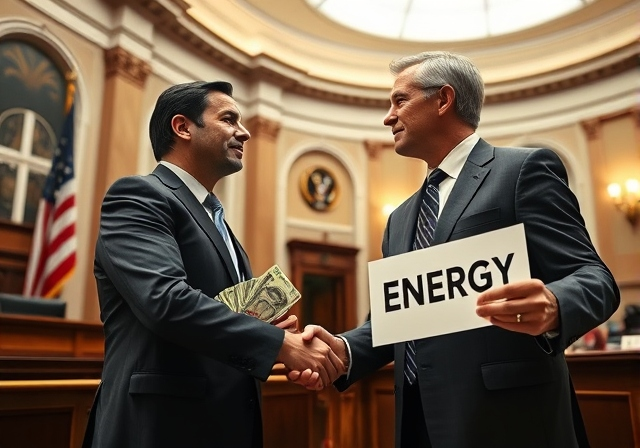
<point x="433" y="291"/>
<point x="630" y="341"/>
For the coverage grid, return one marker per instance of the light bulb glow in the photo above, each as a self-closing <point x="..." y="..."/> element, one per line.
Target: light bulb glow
<point x="632" y="186"/>
<point x="615" y="190"/>
<point x="387" y="209"/>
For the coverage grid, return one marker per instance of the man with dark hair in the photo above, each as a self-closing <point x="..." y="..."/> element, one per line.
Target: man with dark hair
<point x="180" y="368"/>
<point x="506" y="385"/>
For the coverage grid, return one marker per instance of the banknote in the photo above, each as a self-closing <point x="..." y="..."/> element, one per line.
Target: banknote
<point x="266" y="297"/>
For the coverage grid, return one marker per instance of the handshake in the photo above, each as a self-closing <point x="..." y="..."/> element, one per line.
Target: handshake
<point x="314" y="358"/>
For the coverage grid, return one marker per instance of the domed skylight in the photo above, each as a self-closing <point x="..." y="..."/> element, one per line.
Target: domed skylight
<point x="443" y="20"/>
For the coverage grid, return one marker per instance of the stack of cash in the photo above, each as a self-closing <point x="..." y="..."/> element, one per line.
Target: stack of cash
<point x="266" y="297"/>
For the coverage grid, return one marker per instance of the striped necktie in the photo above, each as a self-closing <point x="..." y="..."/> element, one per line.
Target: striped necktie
<point x="213" y="204"/>
<point x="425" y="230"/>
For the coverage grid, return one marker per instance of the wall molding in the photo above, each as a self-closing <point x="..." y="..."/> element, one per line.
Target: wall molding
<point x="170" y="17"/>
<point x="119" y="61"/>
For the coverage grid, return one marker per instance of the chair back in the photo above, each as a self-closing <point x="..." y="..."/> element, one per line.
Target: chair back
<point x="16" y="304"/>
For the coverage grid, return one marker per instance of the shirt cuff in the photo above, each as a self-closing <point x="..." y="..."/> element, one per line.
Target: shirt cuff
<point x="346" y="343"/>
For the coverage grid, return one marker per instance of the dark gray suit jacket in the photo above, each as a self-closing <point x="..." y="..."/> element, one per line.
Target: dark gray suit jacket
<point x="490" y="387"/>
<point x="180" y="368"/>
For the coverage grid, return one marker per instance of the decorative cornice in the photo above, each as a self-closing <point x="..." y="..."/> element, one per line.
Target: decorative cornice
<point x="373" y="147"/>
<point x="263" y="127"/>
<point x="592" y="128"/>
<point x="587" y="77"/>
<point x="636" y="116"/>
<point x="120" y="62"/>
<point x="164" y="14"/>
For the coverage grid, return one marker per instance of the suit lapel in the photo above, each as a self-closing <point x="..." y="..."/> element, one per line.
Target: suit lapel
<point x="473" y="172"/>
<point x="402" y="225"/>
<point x="200" y="216"/>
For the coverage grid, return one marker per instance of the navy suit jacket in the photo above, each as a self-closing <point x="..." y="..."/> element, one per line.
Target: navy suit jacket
<point x="180" y="368"/>
<point x="490" y="387"/>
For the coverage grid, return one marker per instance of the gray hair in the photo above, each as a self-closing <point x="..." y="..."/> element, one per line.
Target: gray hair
<point x="438" y="68"/>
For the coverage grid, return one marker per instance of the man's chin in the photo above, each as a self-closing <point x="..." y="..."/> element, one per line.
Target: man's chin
<point x="406" y="152"/>
<point x="233" y="166"/>
<point x="401" y="151"/>
<point x="236" y="165"/>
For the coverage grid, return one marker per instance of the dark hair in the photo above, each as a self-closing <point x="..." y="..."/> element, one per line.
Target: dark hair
<point x="188" y="99"/>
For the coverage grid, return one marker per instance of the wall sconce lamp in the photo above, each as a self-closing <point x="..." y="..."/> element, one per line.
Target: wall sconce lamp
<point x="627" y="199"/>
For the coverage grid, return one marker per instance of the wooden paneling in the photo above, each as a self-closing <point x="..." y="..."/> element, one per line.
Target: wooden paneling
<point x="287" y="414"/>
<point x="608" y="418"/>
<point x="49" y="413"/>
<point x="49" y="368"/>
<point x="49" y="336"/>
<point x="607" y="384"/>
<point x="379" y="408"/>
<point x="15" y="244"/>
<point x="61" y="362"/>
<point x="312" y="261"/>
<point x="17" y="427"/>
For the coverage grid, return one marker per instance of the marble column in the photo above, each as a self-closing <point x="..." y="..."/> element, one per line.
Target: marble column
<point x="125" y="77"/>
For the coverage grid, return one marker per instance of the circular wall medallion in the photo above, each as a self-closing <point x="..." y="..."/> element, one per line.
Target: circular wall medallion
<point x="319" y="188"/>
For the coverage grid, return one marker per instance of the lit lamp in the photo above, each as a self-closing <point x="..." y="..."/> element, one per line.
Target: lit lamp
<point x="627" y="199"/>
<point x="387" y="209"/>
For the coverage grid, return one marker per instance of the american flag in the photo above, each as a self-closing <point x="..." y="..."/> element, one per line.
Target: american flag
<point x="53" y="250"/>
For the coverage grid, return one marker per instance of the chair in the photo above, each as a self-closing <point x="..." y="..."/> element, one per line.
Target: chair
<point x="16" y="304"/>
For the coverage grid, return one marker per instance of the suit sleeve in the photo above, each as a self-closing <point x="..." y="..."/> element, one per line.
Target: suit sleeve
<point x="137" y="254"/>
<point x="365" y="358"/>
<point x="560" y="250"/>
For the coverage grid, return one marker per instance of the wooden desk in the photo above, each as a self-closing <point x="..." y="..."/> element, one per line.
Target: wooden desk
<point x="45" y="413"/>
<point x="45" y="350"/>
<point x="50" y="337"/>
<point x="607" y="384"/>
<point x="50" y="369"/>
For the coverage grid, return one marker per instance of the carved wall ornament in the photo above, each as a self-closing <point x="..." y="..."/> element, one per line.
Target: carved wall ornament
<point x="119" y="61"/>
<point x="319" y="188"/>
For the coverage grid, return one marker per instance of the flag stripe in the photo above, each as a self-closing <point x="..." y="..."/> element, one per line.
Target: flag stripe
<point x="57" y="256"/>
<point x="66" y="197"/>
<point x="64" y="206"/>
<point x="60" y="224"/>
<point x="53" y="281"/>
<point x="53" y="250"/>
<point x="61" y="246"/>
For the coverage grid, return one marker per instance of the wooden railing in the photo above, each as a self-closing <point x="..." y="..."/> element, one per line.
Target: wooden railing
<point x="50" y="369"/>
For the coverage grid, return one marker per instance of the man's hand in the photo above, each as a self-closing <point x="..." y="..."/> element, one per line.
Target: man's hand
<point x="305" y="378"/>
<point x="526" y="306"/>
<point x="313" y="356"/>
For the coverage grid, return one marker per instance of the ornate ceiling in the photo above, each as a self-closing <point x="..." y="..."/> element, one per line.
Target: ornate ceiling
<point x="438" y="21"/>
<point x="293" y="45"/>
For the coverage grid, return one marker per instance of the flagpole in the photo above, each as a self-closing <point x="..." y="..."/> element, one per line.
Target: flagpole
<point x="71" y="78"/>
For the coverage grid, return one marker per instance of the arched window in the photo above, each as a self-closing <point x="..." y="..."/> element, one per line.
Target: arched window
<point x="32" y="95"/>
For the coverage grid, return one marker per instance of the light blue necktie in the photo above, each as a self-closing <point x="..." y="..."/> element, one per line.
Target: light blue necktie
<point x="213" y="204"/>
<point x="425" y="230"/>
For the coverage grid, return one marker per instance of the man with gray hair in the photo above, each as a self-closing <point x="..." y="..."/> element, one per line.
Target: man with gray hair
<point x="505" y="385"/>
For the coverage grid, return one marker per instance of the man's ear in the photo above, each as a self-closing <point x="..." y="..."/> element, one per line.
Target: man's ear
<point x="180" y="126"/>
<point x="446" y="99"/>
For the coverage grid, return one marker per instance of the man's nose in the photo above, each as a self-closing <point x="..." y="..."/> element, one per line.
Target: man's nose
<point x="390" y="118"/>
<point x="243" y="134"/>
